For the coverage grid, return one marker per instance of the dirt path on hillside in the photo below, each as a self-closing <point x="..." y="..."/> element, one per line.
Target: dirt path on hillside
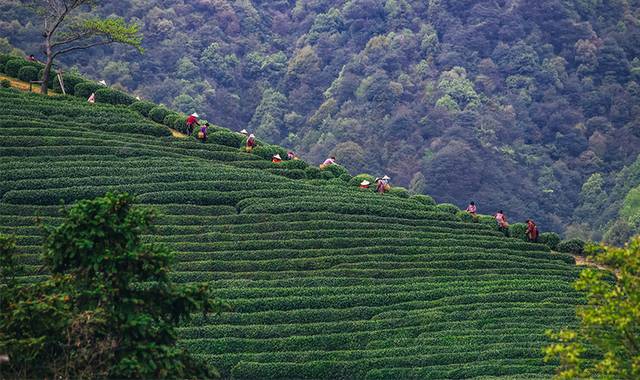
<point x="23" y="86"/>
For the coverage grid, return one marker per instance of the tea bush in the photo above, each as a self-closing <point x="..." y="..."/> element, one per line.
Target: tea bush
<point x="142" y="106"/>
<point x="85" y="89"/>
<point x="551" y="239"/>
<point x="518" y="231"/>
<point x="115" y="97"/>
<point x="28" y="73"/>
<point x="572" y="246"/>
<point x="158" y="113"/>
<point x="424" y="199"/>
<point x="448" y="208"/>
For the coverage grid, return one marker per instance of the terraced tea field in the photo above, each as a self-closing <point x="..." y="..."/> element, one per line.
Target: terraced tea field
<point x="326" y="281"/>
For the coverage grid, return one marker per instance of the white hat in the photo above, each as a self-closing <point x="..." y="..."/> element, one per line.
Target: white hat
<point x="195" y="115"/>
<point x="365" y="183"/>
<point x="385" y="177"/>
<point x="251" y="135"/>
<point x="103" y="82"/>
<point x="277" y="156"/>
<point x="244" y="131"/>
<point x="137" y="98"/>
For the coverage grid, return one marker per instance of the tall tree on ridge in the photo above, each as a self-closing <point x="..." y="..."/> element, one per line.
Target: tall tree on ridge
<point x="64" y="31"/>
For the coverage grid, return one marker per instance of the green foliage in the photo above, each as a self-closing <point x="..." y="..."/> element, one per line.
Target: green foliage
<point x="573" y="246"/>
<point x="158" y="113"/>
<point x="115" y="97"/>
<point x="13" y="66"/>
<point x="5" y="83"/>
<point x="116" y="30"/>
<point x="70" y="82"/>
<point x="28" y="73"/>
<point x="518" y="231"/>
<point x="109" y="301"/>
<point x="424" y="199"/>
<point x="605" y="345"/>
<point x="551" y="239"/>
<point x="231" y="139"/>
<point x="142" y="106"/>
<point x="85" y="89"/>
<point x="399" y="192"/>
<point x="448" y="208"/>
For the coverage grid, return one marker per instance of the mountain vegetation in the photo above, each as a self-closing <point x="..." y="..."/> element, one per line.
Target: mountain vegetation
<point x="531" y="106"/>
<point x="325" y="280"/>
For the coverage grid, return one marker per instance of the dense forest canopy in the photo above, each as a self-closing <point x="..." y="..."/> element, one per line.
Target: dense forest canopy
<point x="527" y="105"/>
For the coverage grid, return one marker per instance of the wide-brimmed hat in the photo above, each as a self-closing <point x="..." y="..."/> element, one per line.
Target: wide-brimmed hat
<point x="365" y="183"/>
<point x="251" y="135"/>
<point x="377" y="179"/>
<point x="386" y="177"/>
<point x="277" y="156"/>
<point x="103" y="82"/>
<point x="244" y="131"/>
<point x="195" y="115"/>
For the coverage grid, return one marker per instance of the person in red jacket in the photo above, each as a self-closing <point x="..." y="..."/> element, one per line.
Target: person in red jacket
<point x="192" y="121"/>
<point x="532" y="231"/>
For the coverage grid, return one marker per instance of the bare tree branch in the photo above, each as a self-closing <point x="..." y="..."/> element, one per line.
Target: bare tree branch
<point x="73" y="48"/>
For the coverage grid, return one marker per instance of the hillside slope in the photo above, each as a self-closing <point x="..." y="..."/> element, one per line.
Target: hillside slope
<point x="511" y="103"/>
<point x="326" y="281"/>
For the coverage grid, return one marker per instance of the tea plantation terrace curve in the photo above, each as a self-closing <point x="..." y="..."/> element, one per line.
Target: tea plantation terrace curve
<point x="326" y="281"/>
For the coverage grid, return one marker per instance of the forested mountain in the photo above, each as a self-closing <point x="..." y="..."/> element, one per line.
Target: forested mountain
<point x="527" y="105"/>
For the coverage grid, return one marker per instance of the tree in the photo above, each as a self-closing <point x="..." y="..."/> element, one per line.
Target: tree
<point x="418" y="184"/>
<point x="606" y="345"/>
<point x="109" y="307"/>
<point x="65" y="32"/>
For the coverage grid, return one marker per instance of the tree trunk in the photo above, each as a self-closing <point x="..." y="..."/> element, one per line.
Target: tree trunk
<point x="47" y="67"/>
<point x="45" y="76"/>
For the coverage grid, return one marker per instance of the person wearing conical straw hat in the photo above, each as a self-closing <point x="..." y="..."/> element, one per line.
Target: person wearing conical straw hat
<point x="276" y="159"/>
<point x="244" y="132"/>
<point x="386" y="180"/>
<point x="192" y="121"/>
<point x="364" y="184"/>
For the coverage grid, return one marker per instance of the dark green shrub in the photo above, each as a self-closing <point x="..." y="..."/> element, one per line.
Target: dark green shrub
<point x="295" y="164"/>
<point x="336" y="170"/>
<point x="424" y="199"/>
<point x="466" y="217"/>
<point x="231" y="139"/>
<point x="518" y="231"/>
<point x="326" y="174"/>
<point x="346" y="177"/>
<point x="28" y="73"/>
<point x="399" y="192"/>
<point x="158" y="113"/>
<point x="12" y="67"/>
<point x="488" y="220"/>
<point x="312" y="172"/>
<point x="267" y="151"/>
<point x="551" y="239"/>
<point x="4" y="58"/>
<point x="5" y="83"/>
<point x="70" y="83"/>
<point x="115" y="97"/>
<point x="573" y="246"/>
<point x="448" y="207"/>
<point x="142" y="107"/>
<point x="85" y="89"/>
<point x="170" y="119"/>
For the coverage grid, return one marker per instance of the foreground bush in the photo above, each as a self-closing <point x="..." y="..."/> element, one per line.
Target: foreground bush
<point x="109" y="303"/>
<point x="606" y="344"/>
